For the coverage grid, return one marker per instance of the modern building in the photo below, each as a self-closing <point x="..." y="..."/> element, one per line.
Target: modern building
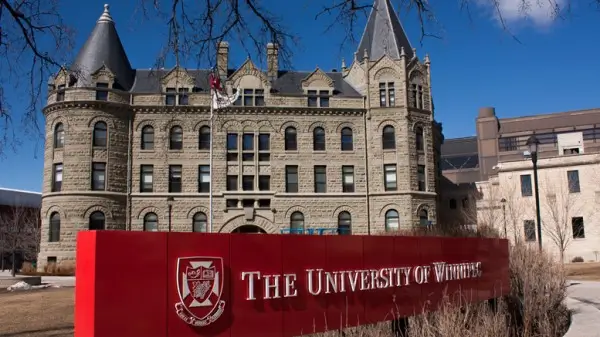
<point x="488" y="179"/>
<point x="353" y="150"/>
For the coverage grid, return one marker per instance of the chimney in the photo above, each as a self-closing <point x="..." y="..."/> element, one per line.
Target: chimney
<point x="272" y="60"/>
<point x="223" y="59"/>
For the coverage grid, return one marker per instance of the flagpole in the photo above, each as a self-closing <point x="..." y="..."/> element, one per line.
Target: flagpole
<point x="210" y="165"/>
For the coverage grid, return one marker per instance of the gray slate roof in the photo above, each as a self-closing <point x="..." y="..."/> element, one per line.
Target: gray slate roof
<point x="384" y="34"/>
<point x="459" y="146"/>
<point x="14" y="198"/>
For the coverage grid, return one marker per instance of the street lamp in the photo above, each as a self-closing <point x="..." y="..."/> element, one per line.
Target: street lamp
<point x="503" y="201"/>
<point x="533" y="144"/>
<point x="170" y="203"/>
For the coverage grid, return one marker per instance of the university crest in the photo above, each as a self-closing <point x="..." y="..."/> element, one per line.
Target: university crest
<point x="200" y="285"/>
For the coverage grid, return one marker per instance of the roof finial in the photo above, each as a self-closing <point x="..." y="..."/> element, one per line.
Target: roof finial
<point x="343" y="63"/>
<point x="414" y="52"/>
<point x="105" y="17"/>
<point x="427" y="60"/>
<point x="402" y="52"/>
<point x="366" y="55"/>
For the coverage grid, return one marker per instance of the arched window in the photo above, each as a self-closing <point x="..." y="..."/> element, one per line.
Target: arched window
<point x="388" y="138"/>
<point x="204" y="138"/>
<point x="54" y="234"/>
<point x="319" y="139"/>
<point x="424" y="217"/>
<point x="419" y="139"/>
<point x="416" y="91"/>
<point x="148" y="137"/>
<point x="392" y="220"/>
<point x="151" y="222"/>
<point x="176" y="138"/>
<point x="59" y="136"/>
<point x="347" y="142"/>
<point x="344" y="223"/>
<point x="100" y="134"/>
<point x="297" y="223"/>
<point x="291" y="139"/>
<point x="199" y="223"/>
<point x="96" y="221"/>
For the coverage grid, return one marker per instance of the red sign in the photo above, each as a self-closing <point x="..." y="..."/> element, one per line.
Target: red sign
<point x="193" y="284"/>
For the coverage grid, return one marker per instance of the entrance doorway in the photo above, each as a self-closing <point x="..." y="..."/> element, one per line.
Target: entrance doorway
<point x="249" y="229"/>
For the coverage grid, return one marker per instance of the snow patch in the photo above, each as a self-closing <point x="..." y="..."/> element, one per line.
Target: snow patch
<point x="22" y="285"/>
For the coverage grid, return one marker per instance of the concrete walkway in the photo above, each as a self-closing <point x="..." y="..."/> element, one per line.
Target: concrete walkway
<point x="584" y="303"/>
<point x="63" y="281"/>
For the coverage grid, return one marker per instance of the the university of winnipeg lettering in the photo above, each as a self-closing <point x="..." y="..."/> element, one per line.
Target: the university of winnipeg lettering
<point x="319" y="281"/>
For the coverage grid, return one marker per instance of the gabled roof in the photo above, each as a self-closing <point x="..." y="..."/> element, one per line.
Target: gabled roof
<point x="103" y="47"/>
<point x="384" y="34"/>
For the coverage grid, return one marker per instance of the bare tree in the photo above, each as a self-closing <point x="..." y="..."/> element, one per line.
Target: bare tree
<point x="20" y="233"/>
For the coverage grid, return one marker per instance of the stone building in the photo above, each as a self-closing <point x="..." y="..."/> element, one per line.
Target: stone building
<point x="351" y="150"/>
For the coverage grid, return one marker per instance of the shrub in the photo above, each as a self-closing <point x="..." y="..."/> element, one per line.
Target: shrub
<point x="577" y="259"/>
<point x="51" y="269"/>
<point x="27" y="268"/>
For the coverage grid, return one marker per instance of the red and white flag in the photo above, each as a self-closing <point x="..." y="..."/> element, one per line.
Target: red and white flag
<point x="219" y="97"/>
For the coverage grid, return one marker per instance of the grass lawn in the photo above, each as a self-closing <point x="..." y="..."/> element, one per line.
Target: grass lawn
<point x="585" y="271"/>
<point x="45" y="312"/>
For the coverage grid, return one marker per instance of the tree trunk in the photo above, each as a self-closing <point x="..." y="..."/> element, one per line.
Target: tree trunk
<point x="2" y="259"/>
<point x="14" y="265"/>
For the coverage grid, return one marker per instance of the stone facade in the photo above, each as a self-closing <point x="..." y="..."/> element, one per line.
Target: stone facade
<point x="112" y="197"/>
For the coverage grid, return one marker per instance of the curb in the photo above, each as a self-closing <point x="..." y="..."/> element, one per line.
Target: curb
<point x="585" y="319"/>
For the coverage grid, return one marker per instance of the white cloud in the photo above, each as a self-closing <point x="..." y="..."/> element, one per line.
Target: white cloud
<point x="539" y="12"/>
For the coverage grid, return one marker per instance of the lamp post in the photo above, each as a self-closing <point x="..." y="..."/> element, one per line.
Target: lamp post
<point x="503" y="201"/>
<point x="170" y="204"/>
<point x="533" y="144"/>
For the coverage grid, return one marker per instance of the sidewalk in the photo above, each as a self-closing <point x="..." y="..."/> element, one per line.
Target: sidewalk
<point x="63" y="281"/>
<point x="584" y="303"/>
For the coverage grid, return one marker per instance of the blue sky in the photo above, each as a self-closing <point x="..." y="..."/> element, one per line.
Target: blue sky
<point x="475" y="63"/>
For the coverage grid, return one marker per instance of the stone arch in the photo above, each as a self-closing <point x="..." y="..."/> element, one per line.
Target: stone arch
<point x="423" y="206"/>
<point x="265" y="126"/>
<point x="239" y="221"/>
<point x="200" y="124"/>
<point x="231" y="125"/>
<point x="389" y="206"/>
<point x="340" y="209"/>
<point x="107" y="213"/>
<point x="97" y="119"/>
<point x="249" y="126"/>
<point x="59" y="119"/>
<point x="416" y="74"/>
<point x="140" y="125"/>
<point x="52" y="209"/>
<point x="386" y="71"/>
<point x="385" y="123"/>
<point x="346" y="124"/>
<point x="195" y="210"/>
<point x="145" y="210"/>
<point x="414" y="126"/>
<point x="288" y="124"/>
<point x="316" y="125"/>
<point x="297" y="208"/>
<point x="174" y="122"/>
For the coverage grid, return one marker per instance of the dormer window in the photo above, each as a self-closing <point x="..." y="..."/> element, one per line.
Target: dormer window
<point x="60" y="95"/>
<point x="387" y="94"/>
<point x="416" y="91"/>
<point x="318" y="98"/>
<point x="102" y="92"/>
<point x="183" y="97"/>
<point x="251" y="97"/>
<point x="171" y="96"/>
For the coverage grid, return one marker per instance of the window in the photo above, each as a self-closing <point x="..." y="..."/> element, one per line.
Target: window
<point x="264" y="146"/>
<point x="148" y="138"/>
<point x="232" y="183"/>
<point x="199" y="223"/>
<point x="60" y="94"/>
<point x="54" y="234"/>
<point x="347" y="142"/>
<point x="320" y="99"/>
<point x="419" y="141"/>
<point x="392" y="220"/>
<point x="508" y="144"/>
<point x="203" y="178"/>
<point x="526" y="190"/>
<point x="204" y="138"/>
<point x="232" y="147"/>
<point x="96" y="221"/>
<point x="320" y="172"/>
<point x="100" y="134"/>
<point x="297" y="223"/>
<point x="102" y="93"/>
<point x="146" y="178"/>
<point x="98" y="176"/>
<point x="387" y="94"/>
<point x="291" y="179"/>
<point x="247" y="142"/>
<point x="57" y="177"/>
<point x="170" y="96"/>
<point x="175" y="178"/>
<point x="452" y="204"/>
<point x="416" y="92"/>
<point x="422" y="186"/>
<point x="176" y="138"/>
<point x="264" y="183"/>
<point x="59" y="136"/>
<point x="423" y="217"/>
<point x="319" y="139"/>
<point x="183" y="97"/>
<point x="248" y="183"/>
<point x="465" y="203"/>
<point x="390" y="175"/>
<point x="291" y="139"/>
<point x="251" y="97"/>
<point x="578" y="228"/>
<point x="388" y="138"/>
<point x="347" y="178"/>
<point x="151" y="222"/>
<point x="573" y="180"/>
<point x="529" y="227"/>
<point x="344" y="223"/>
